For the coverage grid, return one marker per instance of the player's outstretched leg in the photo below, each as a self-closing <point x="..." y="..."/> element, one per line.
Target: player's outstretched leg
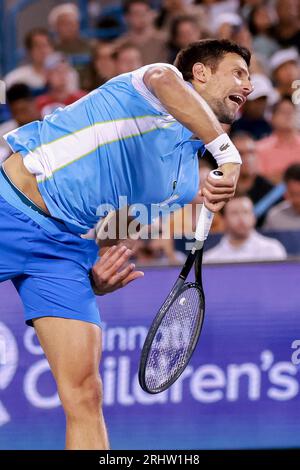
<point x="73" y="349"/>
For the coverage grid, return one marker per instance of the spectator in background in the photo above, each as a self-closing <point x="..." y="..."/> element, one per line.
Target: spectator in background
<point x="127" y="58"/>
<point x="287" y="29"/>
<point x="214" y="8"/>
<point x="246" y="7"/>
<point x="38" y="46"/>
<point x="152" y="44"/>
<point x="157" y="251"/>
<point x="253" y="118"/>
<point x="250" y="182"/>
<point x="61" y="93"/>
<point x="241" y="242"/>
<point x="285" y="69"/>
<point x="261" y="21"/>
<point x="284" y="65"/>
<point x="231" y="26"/>
<point x="227" y="24"/>
<point x="184" y="30"/>
<point x="282" y="147"/>
<point x="172" y="9"/>
<point x="101" y="68"/>
<point x="286" y="215"/>
<point x="64" y="22"/>
<point x="23" y="109"/>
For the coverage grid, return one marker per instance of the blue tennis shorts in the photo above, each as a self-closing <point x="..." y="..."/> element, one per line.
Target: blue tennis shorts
<point x="48" y="264"/>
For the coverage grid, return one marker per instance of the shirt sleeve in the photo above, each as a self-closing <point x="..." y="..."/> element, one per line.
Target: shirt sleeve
<point x="139" y="84"/>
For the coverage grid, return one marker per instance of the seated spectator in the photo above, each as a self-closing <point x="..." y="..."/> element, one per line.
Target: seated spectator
<point x="64" y="22"/>
<point x="282" y="147"/>
<point x="154" y="252"/>
<point x="250" y="182"/>
<point x="184" y="30"/>
<point x="253" y="118"/>
<point x="172" y="9"/>
<point x="286" y="215"/>
<point x="60" y="92"/>
<point x="127" y="58"/>
<point x="101" y="68"/>
<point x="287" y="29"/>
<point x="23" y="109"/>
<point x="284" y="65"/>
<point x="241" y="242"/>
<point x="261" y="20"/>
<point x="152" y="44"/>
<point x="232" y="27"/>
<point x="227" y="24"/>
<point x="38" y="46"/>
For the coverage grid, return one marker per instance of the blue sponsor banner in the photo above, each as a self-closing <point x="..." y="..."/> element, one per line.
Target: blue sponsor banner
<point x="241" y="389"/>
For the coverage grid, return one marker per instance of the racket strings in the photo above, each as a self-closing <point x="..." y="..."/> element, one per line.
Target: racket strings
<point x="174" y="338"/>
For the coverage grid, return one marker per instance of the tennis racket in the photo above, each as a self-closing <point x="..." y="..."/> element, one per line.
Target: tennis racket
<point x="174" y="333"/>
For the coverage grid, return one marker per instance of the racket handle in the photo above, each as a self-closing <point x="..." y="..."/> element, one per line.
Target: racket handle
<point x="206" y="216"/>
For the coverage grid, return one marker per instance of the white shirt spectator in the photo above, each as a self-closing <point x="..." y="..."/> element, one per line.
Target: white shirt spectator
<point x="282" y="217"/>
<point x="35" y="80"/>
<point x="256" y="248"/>
<point x="26" y="74"/>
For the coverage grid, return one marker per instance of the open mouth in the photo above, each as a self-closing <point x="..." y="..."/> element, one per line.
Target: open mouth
<point x="238" y="99"/>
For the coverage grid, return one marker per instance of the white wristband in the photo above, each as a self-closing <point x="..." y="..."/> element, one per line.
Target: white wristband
<point x="223" y="150"/>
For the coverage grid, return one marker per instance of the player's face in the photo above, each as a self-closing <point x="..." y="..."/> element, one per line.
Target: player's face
<point x="227" y="88"/>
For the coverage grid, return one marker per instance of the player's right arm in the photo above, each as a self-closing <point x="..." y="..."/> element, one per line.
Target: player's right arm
<point x="192" y="111"/>
<point x="183" y="102"/>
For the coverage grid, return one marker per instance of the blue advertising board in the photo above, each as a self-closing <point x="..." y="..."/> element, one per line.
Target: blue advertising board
<point x="240" y="390"/>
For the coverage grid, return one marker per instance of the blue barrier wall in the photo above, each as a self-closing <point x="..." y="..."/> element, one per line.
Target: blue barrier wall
<point x="241" y="389"/>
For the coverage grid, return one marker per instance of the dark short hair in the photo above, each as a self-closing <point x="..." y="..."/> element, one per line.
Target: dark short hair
<point x="209" y="52"/>
<point x="127" y="4"/>
<point x="28" y="40"/>
<point x="17" y="92"/>
<point x="292" y="173"/>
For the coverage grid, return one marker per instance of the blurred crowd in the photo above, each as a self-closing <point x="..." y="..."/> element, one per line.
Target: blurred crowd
<point x="62" y="65"/>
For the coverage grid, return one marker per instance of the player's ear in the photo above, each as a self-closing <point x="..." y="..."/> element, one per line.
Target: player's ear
<point x="201" y="72"/>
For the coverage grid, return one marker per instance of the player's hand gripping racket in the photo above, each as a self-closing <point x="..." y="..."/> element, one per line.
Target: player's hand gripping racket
<point x="174" y="333"/>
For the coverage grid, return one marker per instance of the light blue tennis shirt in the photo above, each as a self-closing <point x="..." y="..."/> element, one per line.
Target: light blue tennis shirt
<point x="115" y="146"/>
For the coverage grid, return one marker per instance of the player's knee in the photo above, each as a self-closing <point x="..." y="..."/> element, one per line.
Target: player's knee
<point x="83" y="397"/>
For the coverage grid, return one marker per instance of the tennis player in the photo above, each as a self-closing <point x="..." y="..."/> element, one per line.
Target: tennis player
<point x="131" y="137"/>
